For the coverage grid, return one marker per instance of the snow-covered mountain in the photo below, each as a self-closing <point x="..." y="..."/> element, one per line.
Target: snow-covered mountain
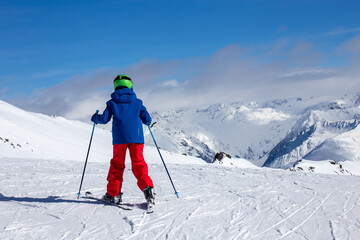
<point x="272" y="133"/>
<point x="326" y="131"/>
<point x="243" y="130"/>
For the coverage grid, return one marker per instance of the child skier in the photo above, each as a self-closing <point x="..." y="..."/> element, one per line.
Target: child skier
<point x="128" y="114"/>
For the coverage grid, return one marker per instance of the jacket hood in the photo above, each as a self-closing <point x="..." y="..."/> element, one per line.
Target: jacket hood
<point x="124" y="95"/>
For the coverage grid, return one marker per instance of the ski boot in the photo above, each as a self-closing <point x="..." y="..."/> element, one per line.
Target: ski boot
<point x="150" y="198"/>
<point x="108" y="198"/>
<point x="118" y="198"/>
<point x="149" y="195"/>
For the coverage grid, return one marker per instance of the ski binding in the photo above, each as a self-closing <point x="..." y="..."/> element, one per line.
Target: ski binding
<point x="89" y="195"/>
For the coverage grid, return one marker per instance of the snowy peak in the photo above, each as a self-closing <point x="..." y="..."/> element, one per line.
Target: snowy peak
<point x="315" y="131"/>
<point x="357" y="102"/>
<point x="244" y="130"/>
<point x="344" y="146"/>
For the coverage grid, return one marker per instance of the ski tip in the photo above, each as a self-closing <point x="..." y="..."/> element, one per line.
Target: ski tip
<point x="88" y="194"/>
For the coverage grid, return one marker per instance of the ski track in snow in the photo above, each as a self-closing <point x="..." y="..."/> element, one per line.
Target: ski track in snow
<point x="286" y="218"/>
<point x="38" y="201"/>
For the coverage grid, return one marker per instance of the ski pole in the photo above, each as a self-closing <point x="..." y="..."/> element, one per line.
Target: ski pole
<point x="87" y="156"/>
<point x="176" y="193"/>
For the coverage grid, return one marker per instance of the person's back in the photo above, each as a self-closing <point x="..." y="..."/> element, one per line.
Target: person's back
<point x="128" y="113"/>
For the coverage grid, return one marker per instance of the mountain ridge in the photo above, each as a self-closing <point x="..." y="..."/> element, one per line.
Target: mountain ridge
<point x="257" y="130"/>
<point x="274" y="133"/>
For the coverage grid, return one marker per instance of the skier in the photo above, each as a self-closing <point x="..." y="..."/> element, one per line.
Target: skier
<point x="128" y="114"/>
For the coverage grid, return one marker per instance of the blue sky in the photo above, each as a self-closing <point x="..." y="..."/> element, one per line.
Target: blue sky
<point x="48" y="45"/>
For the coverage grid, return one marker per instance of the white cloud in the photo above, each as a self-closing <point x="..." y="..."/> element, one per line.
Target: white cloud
<point x="302" y="46"/>
<point x="170" y="83"/>
<point x="341" y="31"/>
<point x="233" y="73"/>
<point x="307" y="72"/>
<point x="353" y="45"/>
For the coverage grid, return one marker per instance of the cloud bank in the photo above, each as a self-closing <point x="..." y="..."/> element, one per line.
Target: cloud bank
<point x="284" y="68"/>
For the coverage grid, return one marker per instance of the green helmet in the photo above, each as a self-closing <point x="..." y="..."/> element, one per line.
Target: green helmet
<point x="123" y="81"/>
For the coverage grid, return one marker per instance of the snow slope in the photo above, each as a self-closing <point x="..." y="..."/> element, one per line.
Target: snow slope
<point x="230" y="200"/>
<point x="327" y="167"/>
<point x="31" y="135"/>
<point x="38" y="201"/>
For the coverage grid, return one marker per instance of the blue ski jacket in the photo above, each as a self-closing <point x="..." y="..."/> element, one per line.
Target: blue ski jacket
<point x="128" y="114"/>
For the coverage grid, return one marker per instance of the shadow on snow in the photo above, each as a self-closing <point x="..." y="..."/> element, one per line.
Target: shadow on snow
<point x="57" y="199"/>
<point x="49" y="199"/>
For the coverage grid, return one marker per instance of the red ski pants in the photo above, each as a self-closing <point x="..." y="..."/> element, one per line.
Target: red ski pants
<point x="117" y="167"/>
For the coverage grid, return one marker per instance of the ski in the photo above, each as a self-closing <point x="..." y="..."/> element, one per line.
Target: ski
<point x="89" y="195"/>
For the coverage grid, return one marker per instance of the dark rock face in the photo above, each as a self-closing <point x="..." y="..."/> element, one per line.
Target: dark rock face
<point x="220" y="156"/>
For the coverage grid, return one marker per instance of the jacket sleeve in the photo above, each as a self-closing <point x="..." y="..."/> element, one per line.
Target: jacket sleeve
<point x="144" y="115"/>
<point x="104" y="117"/>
